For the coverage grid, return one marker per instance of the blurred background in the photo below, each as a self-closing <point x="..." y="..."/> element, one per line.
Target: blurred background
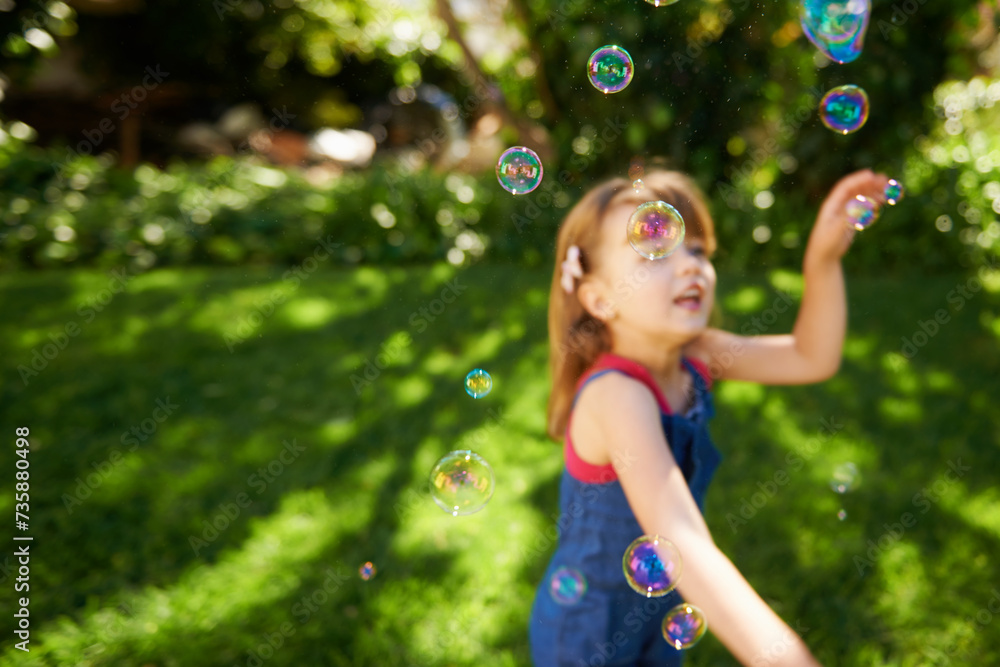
<point x="249" y="250"/>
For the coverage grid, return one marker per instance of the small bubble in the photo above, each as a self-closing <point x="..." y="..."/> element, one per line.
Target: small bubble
<point x="478" y="383"/>
<point x="844" y="109"/>
<point x="845" y="477"/>
<point x="367" y="571"/>
<point x="862" y="212"/>
<point x="684" y="626"/>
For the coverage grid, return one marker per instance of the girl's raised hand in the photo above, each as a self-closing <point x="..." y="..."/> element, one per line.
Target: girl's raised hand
<point x="833" y="232"/>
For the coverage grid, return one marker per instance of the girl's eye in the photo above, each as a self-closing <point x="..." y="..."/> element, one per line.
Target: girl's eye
<point x="698" y="250"/>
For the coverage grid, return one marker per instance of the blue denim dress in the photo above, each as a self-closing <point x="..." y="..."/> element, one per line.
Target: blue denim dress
<point x="611" y="624"/>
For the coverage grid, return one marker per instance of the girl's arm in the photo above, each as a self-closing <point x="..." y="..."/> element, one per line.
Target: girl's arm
<point x="812" y="352"/>
<point x="627" y="416"/>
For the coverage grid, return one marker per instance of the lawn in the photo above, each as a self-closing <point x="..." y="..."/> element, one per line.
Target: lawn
<point x="215" y="453"/>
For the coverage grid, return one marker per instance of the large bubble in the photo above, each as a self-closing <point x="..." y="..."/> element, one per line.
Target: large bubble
<point x="610" y="69"/>
<point x="462" y="482"/>
<point x="652" y="566"/>
<point x="655" y="229"/>
<point x="519" y="170"/>
<point x="836" y="27"/>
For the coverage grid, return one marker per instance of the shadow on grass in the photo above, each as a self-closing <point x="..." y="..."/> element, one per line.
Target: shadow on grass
<point x="454" y="592"/>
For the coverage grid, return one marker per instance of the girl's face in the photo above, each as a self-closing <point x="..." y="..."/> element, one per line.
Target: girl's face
<point x="668" y="298"/>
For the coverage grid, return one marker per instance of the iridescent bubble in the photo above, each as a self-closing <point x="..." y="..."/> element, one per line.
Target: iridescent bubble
<point x="844" y="109"/>
<point x="652" y="566"/>
<point x="462" y="482"/>
<point x="638" y="185"/>
<point x="836" y="27"/>
<point x="845" y="477"/>
<point x="862" y="212"/>
<point x="567" y="585"/>
<point x="610" y="69"/>
<point x="367" y="571"/>
<point x="478" y="383"/>
<point x="519" y="170"/>
<point x="842" y="514"/>
<point x="684" y="626"/>
<point x="661" y="3"/>
<point x="894" y="192"/>
<point x="655" y="230"/>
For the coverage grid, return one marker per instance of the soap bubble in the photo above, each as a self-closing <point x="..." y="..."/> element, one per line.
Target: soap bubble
<point x="519" y="170"/>
<point x="842" y="514"/>
<point x="844" y="109"/>
<point x="655" y="230"/>
<point x="836" y="27"/>
<point x="660" y="3"/>
<point x="567" y="585"/>
<point x="845" y="477"/>
<point x="461" y="482"/>
<point x="862" y="212"/>
<point x="638" y="185"/>
<point x="684" y="626"/>
<point x="367" y="571"/>
<point x="478" y="383"/>
<point x="894" y="192"/>
<point x="652" y="566"/>
<point x="610" y="69"/>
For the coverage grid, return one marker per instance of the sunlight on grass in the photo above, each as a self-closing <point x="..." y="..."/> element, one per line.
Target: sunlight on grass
<point x="860" y="348"/>
<point x="791" y="282"/>
<point x="900" y="410"/>
<point x="339" y="430"/>
<point x="411" y="391"/>
<point x="981" y="511"/>
<point x="262" y="572"/>
<point x="308" y="312"/>
<point x="744" y="300"/>
<point x="734" y="392"/>
<point x="484" y="346"/>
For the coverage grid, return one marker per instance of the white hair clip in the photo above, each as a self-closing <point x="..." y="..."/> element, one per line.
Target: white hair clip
<point x="571" y="269"/>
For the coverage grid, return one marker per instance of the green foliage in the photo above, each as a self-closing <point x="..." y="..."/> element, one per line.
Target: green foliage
<point x="117" y="494"/>
<point x="62" y="209"/>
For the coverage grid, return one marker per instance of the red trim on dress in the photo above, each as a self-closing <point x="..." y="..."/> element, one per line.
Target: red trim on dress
<point x="589" y="473"/>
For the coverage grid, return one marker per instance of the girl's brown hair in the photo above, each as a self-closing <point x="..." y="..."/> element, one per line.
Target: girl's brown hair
<point x="576" y="338"/>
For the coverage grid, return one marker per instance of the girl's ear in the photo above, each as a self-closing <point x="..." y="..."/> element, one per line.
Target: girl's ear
<point x="591" y="294"/>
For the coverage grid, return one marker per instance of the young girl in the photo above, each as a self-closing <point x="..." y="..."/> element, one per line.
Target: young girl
<point x="630" y="351"/>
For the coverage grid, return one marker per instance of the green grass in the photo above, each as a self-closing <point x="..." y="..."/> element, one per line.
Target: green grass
<point x="115" y="579"/>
